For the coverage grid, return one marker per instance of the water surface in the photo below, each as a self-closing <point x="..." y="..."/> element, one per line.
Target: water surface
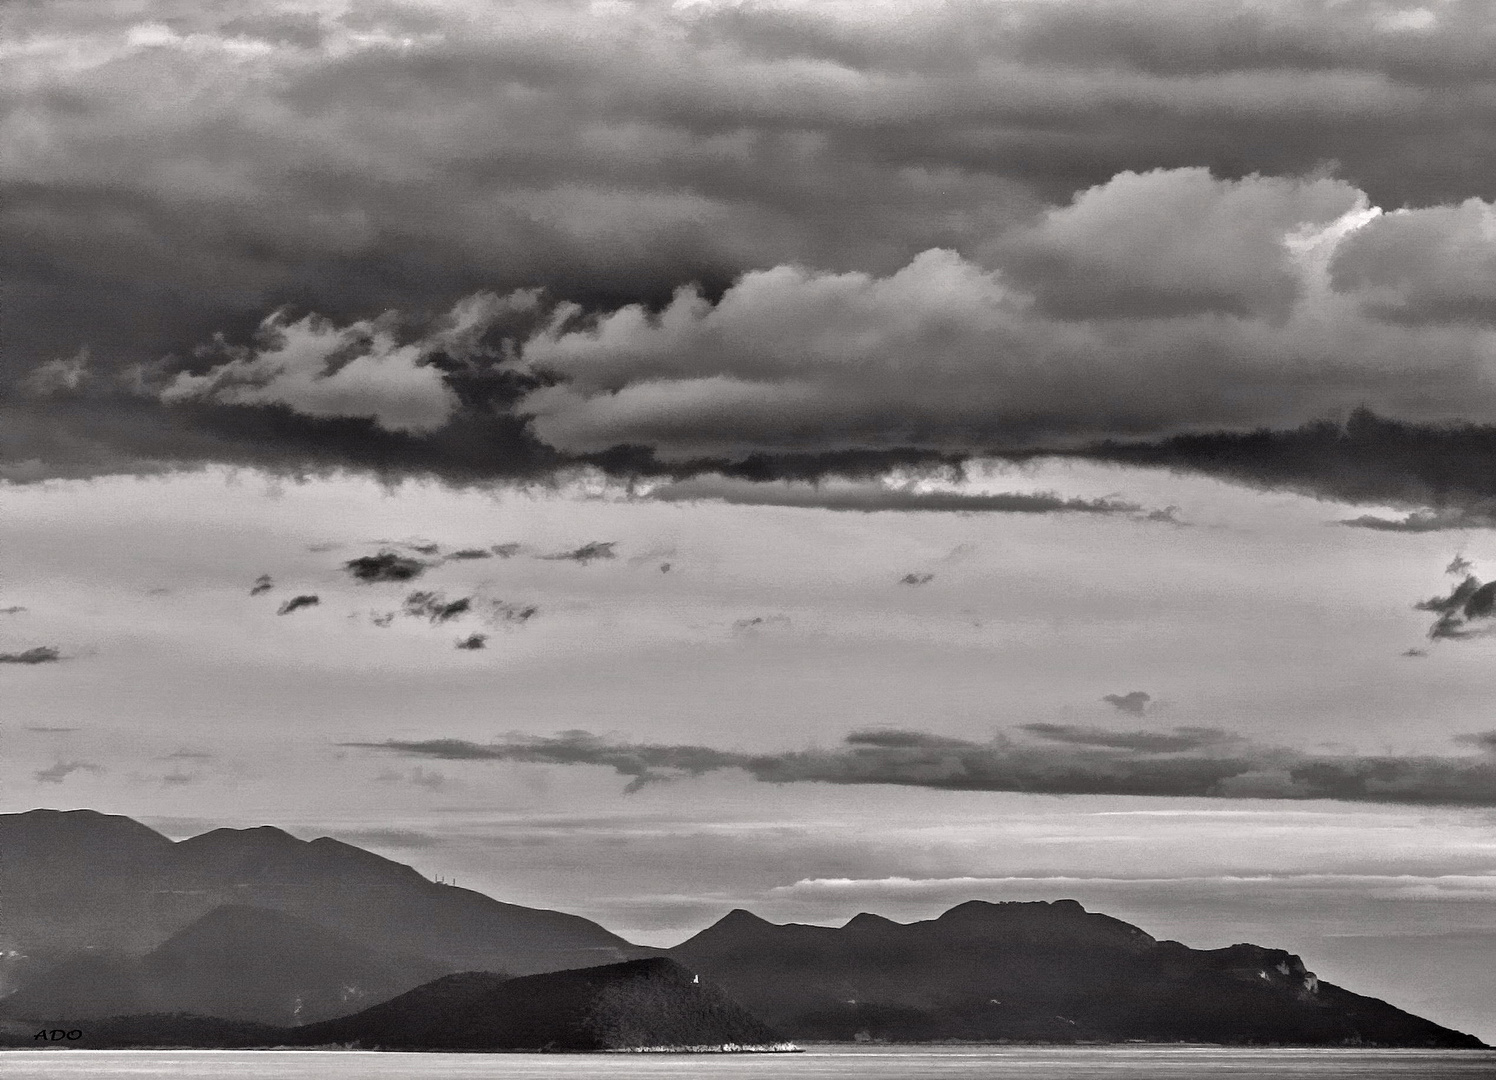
<point x="817" y="1063"/>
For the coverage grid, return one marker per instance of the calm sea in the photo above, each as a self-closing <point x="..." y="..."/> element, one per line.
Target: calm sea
<point x="818" y="1063"/>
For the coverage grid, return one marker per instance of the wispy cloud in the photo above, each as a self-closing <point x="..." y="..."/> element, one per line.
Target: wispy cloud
<point x="435" y="607"/>
<point x="1467" y="610"/>
<point x="296" y="603"/>
<point x="57" y="773"/>
<point x="263" y="584"/>
<point x="40" y="654"/>
<point x="589" y="552"/>
<point x="1134" y="702"/>
<point x="874" y="497"/>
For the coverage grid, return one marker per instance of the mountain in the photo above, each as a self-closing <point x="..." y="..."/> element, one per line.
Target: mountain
<point x="1033" y="972"/>
<point x="639" y="1003"/>
<point x="79" y="883"/>
<point x="235" y="963"/>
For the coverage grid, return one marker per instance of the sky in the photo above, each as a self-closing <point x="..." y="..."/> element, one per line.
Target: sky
<point x="646" y="459"/>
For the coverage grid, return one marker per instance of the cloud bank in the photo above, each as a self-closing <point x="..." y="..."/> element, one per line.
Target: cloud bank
<point x="770" y="241"/>
<point x="1066" y="760"/>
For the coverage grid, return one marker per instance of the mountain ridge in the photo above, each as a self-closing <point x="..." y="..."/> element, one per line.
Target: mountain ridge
<point x="1033" y="971"/>
<point x="93" y="898"/>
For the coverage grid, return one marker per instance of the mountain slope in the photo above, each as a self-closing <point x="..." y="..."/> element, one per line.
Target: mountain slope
<point x="1033" y="971"/>
<point x="639" y="1003"/>
<point x="235" y="963"/>
<point x="79" y="882"/>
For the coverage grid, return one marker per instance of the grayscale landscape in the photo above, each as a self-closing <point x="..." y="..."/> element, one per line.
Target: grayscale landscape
<point x="898" y="538"/>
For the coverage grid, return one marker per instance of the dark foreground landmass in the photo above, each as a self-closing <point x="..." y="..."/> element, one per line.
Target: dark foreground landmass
<point x="652" y="1004"/>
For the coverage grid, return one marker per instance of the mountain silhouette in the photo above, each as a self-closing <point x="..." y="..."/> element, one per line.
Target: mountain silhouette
<point x="1050" y="972"/>
<point x="639" y="1003"/>
<point x="651" y="1004"/>
<point x="239" y="935"/>
<point x="235" y="963"/>
<point x="80" y="882"/>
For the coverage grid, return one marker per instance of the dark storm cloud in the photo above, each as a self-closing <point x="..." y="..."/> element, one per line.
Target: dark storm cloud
<point x="385" y="566"/>
<point x="1134" y="702"/>
<point x="296" y="603"/>
<point x="588" y="552"/>
<point x="1212" y="765"/>
<point x="57" y="773"/>
<point x="1447" y="468"/>
<point x="871" y="498"/>
<point x="40" y="654"/>
<point x="438" y="243"/>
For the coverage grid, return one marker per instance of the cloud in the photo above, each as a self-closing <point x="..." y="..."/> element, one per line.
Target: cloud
<point x="1178" y="242"/>
<point x="386" y="566"/>
<point x="391" y="838"/>
<point x="507" y="551"/>
<point x="57" y="773"/>
<point x="587" y="553"/>
<point x="1469" y="602"/>
<point x="14" y="609"/>
<point x="914" y="235"/>
<point x="508" y="613"/>
<point x="754" y="623"/>
<point x="1134" y="702"/>
<point x="435" y="607"/>
<point x="321" y="370"/>
<point x="427" y="779"/>
<point x="917" y="579"/>
<point x="1158" y="742"/>
<point x="262" y="584"/>
<point x="472" y="642"/>
<point x="470" y="553"/>
<point x="1425" y="521"/>
<point x="296" y="603"/>
<point x="40" y="654"/>
<point x="1199" y="763"/>
<point x="871" y="498"/>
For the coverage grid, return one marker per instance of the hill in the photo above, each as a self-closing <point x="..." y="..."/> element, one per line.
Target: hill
<point x="636" y="1004"/>
<point x="1049" y="972"/>
<point x="235" y="963"/>
<point x="652" y="1004"/>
